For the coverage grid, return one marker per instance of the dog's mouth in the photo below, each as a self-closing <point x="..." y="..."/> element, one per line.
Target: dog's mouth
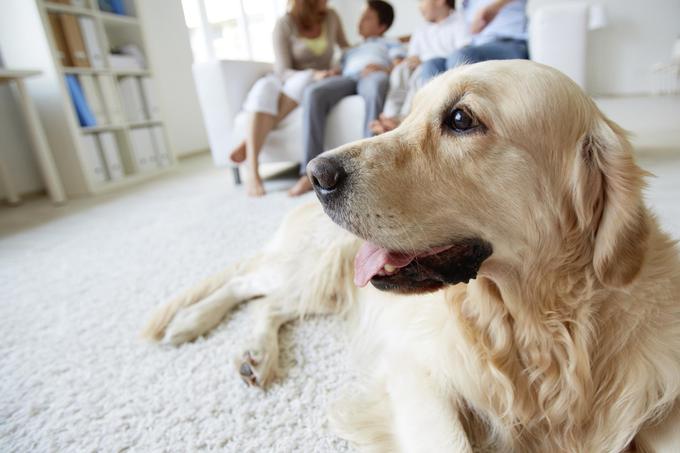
<point x="422" y="271"/>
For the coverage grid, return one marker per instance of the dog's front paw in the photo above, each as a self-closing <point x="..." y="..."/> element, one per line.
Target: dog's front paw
<point x="256" y="367"/>
<point x="187" y="325"/>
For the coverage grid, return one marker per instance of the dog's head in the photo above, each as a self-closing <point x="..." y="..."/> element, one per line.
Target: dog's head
<point x="496" y="158"/>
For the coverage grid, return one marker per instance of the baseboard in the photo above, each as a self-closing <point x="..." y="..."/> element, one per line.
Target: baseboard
<point x="193" y="153"/>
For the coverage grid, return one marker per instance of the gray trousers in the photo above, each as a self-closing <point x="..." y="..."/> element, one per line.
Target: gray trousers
<point x="321" y="96"/>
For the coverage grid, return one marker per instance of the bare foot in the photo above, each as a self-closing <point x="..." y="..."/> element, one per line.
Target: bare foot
<point x="389" y="124"/>
<point x="254" y="187"/>
<point x="376" y="127"/>
<point x="238" y="154"/>
<point x="303" y="185"/>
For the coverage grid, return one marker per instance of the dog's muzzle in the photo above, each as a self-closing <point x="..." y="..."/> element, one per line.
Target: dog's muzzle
<point x="328" y="177"/>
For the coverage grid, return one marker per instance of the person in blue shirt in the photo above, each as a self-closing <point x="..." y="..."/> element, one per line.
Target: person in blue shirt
<point x="499" y="32"/>
<point x="364" y="70"/>
<point x="375" y="51"/>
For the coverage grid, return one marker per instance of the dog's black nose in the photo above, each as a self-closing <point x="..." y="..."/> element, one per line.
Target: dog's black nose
<point x="326" y="174"/>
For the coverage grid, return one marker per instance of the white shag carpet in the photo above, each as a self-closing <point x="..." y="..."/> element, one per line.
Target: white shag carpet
<point x="76" y="289"/>
<point x="74" y="294"/>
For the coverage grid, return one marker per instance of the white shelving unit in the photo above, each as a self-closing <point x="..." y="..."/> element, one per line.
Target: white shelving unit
<point x="28" y="42"/>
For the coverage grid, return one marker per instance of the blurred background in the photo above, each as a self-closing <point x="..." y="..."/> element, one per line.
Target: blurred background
<point x="625" y="55"/>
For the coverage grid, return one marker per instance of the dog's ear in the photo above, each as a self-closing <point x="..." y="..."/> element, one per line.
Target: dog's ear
<point x="607" y="189"/>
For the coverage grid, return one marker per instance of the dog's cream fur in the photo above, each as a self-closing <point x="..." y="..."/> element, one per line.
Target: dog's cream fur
<point x="569" y="337"/>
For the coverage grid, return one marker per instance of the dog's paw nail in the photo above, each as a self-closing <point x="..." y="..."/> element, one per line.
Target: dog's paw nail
<point x="248" y="375"/>
<point x="245" y="371"/>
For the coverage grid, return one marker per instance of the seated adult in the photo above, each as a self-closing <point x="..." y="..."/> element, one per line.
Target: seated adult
<point x="364" y="70"/>
<point x="304" y="42"/>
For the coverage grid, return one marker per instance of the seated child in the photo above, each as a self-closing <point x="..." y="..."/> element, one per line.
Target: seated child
<point x="364" y="70"/>
<point x="375" y="52"/>
<point x="445" y="32"/>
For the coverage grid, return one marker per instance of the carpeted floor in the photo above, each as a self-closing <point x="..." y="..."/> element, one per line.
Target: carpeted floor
<point x="77" y="283"/>
<point x="75" y="291"/>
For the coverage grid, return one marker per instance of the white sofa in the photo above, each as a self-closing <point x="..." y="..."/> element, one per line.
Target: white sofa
<point x="557" y="37"/>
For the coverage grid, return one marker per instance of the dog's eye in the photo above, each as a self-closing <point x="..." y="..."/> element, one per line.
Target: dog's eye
<point x="461" y="121"/>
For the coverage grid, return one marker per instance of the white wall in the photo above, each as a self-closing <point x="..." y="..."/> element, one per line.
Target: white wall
<point x="15" y="148"/>
<point x="167" y="41"/>
<point x="639" y="34"/>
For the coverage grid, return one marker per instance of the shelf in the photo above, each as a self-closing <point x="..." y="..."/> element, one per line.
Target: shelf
<point x="61" y="8"/>
<point x="102" y="128"/>
<point x="131" y="72"/>
<point x="12" y="74"/>
<point x="90" y="71"/>
<point x="145" y="123"/>
<point x="116" y="72"/>
<point x="63" y="131"/>
<point x="118" y="19"/>
<point x="115" y="127"/>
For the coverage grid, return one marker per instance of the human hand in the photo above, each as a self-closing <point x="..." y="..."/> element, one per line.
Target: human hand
<point x="376" y="127"/>
<point x="485" y="15"/>
<point x="413" y="62"/>
<point x="373" y="68"/>
<point x="320" y="75"/>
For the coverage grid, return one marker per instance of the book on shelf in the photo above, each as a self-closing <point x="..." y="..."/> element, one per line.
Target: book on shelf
<point x="131" y="95"/>
<point x="111" y="100"/>
<point x="105" y="5"/>
<point x="119" y="7"/>
<point x="74" y="40"/>
<point x="160" y="146"/>
<point x="143" y="149"/>
<point x="85" y="116"/>
<point x="92" y="159"/>
<point x="89" y="32"/>
<point x="134" y="51"/>
<point x="109" y="148"/>
<point x="113" y="6"/>
<point x="124" y="62"/>
<point x="78" y="3"/>
<point x="59" y="39"/>
<point x="148" y="88"/>
<point x="93" y="98"/>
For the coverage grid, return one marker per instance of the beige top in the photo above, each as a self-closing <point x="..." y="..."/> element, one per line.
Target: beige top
<point x="293" y="52"/>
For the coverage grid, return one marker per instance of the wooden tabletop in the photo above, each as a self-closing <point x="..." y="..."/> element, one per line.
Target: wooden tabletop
<point x="11" y="74"/>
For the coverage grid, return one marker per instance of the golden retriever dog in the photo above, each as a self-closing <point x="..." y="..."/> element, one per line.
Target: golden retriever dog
<point x="522" y="297"/>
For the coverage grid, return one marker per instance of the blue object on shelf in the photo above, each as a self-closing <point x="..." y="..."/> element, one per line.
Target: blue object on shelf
<point x="85" y="115"/>
<point x="106" y="5"/>
<point x="118" y="7"/>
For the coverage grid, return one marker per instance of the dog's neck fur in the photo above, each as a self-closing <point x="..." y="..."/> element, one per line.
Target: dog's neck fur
<point x="558" y="384"/>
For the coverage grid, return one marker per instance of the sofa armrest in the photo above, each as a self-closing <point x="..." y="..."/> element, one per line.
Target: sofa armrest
<point x="222" y="87"/>
<point x="557" y="38"/>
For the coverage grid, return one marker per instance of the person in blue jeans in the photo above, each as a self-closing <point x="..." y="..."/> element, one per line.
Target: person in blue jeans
<point x="364" y="70"/>
<point x="499" y="32"/>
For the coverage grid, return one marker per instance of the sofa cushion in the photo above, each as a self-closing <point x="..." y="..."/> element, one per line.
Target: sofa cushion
<point x="284" y="143"/>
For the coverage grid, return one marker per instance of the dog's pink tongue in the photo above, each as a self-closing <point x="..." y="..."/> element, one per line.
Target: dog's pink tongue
<point x="371" y="259"/>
